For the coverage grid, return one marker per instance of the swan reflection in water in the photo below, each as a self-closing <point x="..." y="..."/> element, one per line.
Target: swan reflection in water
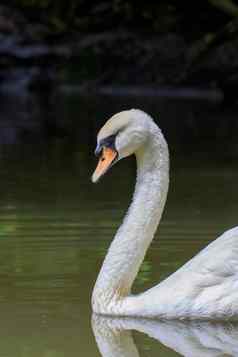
<point x="190" y="339"/>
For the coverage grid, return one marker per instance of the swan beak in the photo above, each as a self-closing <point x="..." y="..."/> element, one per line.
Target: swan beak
<point x="106" y="160"/>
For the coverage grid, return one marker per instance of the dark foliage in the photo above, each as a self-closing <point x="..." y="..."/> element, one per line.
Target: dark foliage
<point x="191" y="18"/>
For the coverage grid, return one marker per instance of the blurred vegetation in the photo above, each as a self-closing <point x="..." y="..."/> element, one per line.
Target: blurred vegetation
<point x="191" y="18"/>
<point x="193" y="43"/>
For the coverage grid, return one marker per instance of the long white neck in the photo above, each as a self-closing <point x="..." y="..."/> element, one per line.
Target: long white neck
<point x="133" y="238"/>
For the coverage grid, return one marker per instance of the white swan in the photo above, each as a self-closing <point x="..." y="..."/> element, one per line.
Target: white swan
<point x="206" y="287"/>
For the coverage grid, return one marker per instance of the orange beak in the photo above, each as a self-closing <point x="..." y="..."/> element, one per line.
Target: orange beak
<point x="105" y="161"/>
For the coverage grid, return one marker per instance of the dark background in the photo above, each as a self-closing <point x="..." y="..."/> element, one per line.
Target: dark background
<point x="179" y="59"/>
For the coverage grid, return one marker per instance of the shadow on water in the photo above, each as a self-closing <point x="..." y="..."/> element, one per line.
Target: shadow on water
<point x="55" y="226"/>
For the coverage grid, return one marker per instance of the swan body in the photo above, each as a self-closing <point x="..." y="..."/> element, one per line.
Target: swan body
<point x="206" y="287"/>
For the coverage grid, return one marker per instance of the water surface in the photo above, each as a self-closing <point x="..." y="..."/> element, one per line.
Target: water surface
<point x="56" y="226"/>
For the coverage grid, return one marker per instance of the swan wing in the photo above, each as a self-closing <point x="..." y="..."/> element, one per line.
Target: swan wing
<point x="206" y="287"/>
<point x="219" y="258"/>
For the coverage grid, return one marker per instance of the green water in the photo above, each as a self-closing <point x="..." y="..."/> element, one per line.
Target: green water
<point x="55" y="228"/>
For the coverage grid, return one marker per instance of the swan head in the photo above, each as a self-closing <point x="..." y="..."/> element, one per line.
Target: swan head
<point x="122" y="135"/>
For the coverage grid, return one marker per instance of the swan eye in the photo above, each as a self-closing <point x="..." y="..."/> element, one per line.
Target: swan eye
<point x="108" y="142"/>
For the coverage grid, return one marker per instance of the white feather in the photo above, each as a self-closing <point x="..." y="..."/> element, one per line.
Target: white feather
<point x="206" y="287"/>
